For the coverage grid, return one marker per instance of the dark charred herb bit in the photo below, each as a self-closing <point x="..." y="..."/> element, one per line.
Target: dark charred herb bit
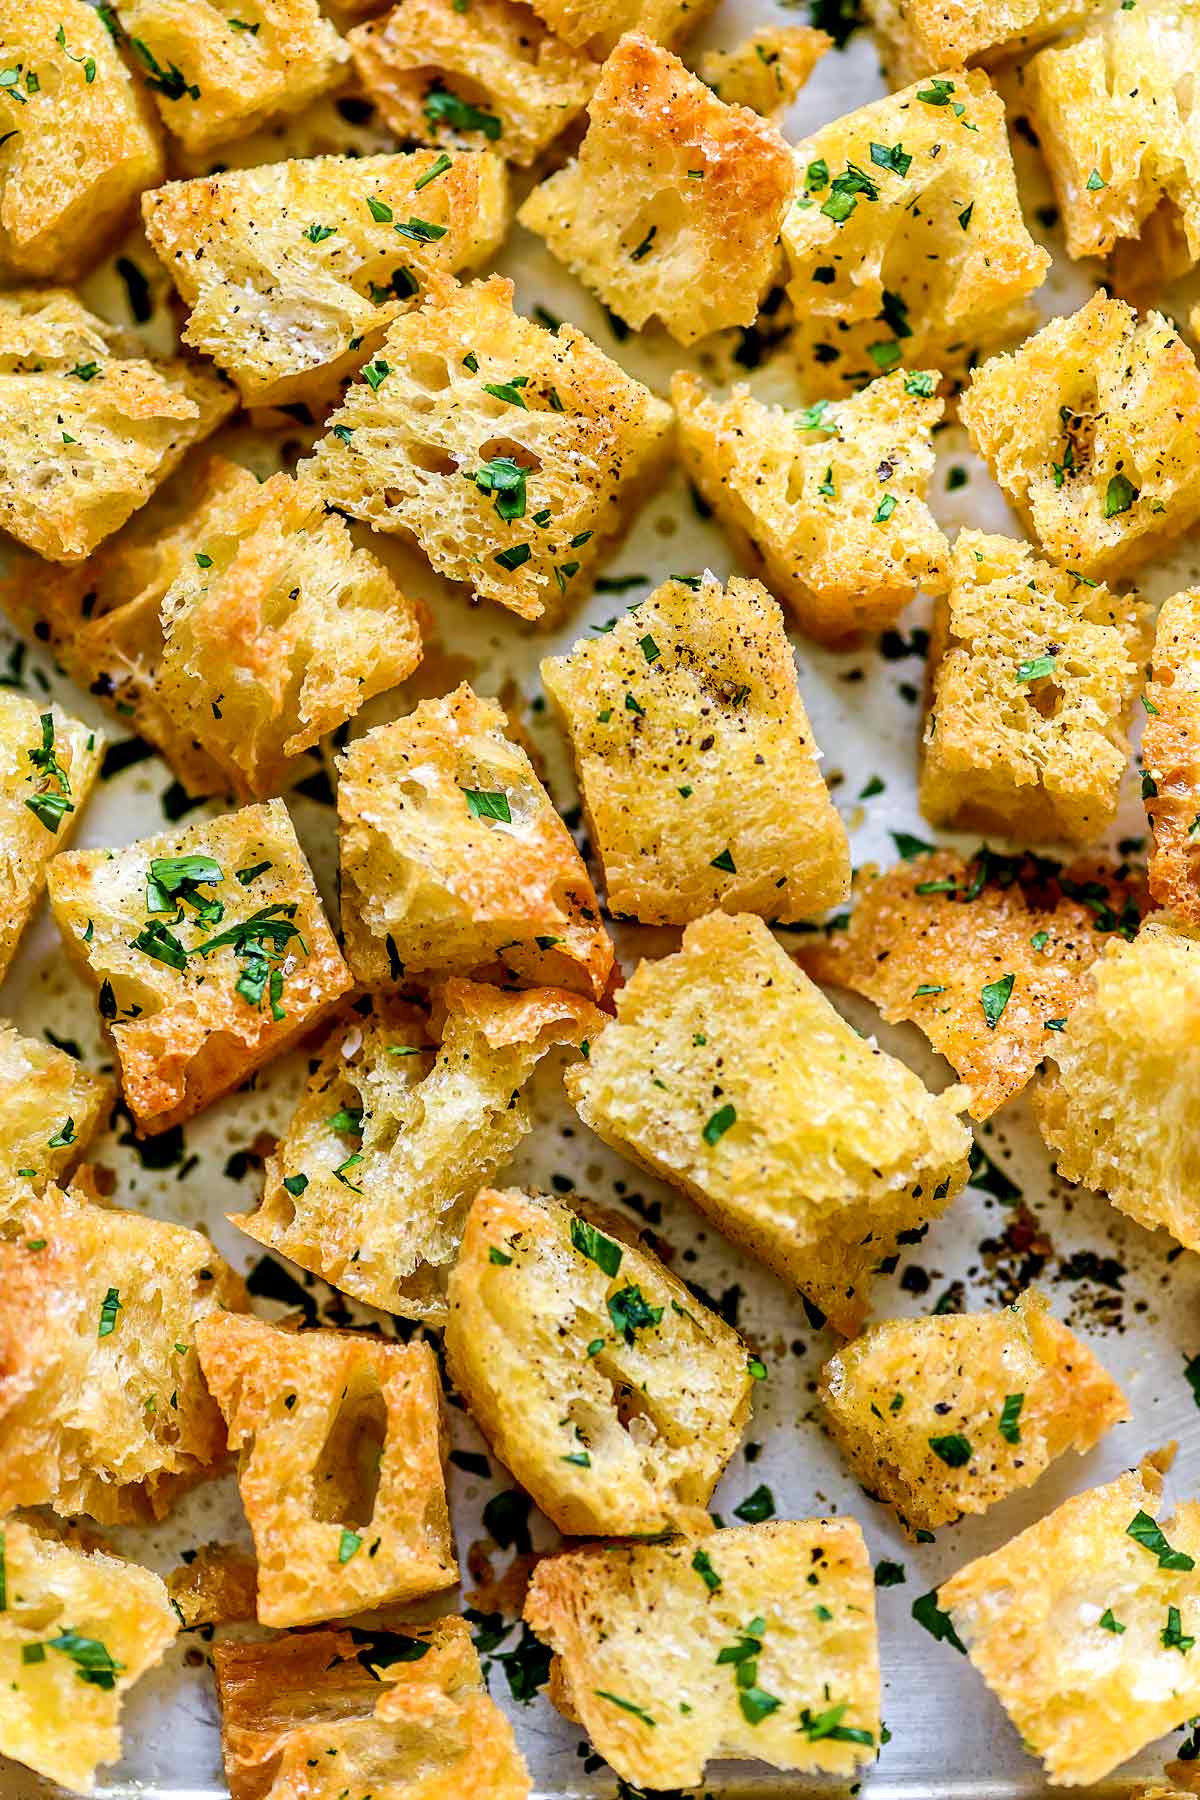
<point x="954" y="1450"/>
<point x="994" y="997"/>
<point x="829" y="1725"/>
<point x="889" y="1574"/>
<point x="603" y="1251"/>
<point x="110" y="1306"/>
<point x="482" y="804"/>
<point x="630" y="1312"/>
<point x="444" y="108"/>
<point x="702" y="1563"/>
<point x="1143" y="1530"/>
<point x="1009" y="1427"/>
<point x="51" y="805"/>
<point x="937" y="1623"/>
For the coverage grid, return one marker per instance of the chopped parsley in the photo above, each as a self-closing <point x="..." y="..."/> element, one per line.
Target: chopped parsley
<point x="51" y="805"/>
<point x="719" y="1123"/>
<point x="1119" y="496"/>
<point x="954" y="1450"/>
<point x="1143" y="1530"/>
<point x="829" y="1725"/>
<point x="110" y="1306"/>
<point x="316" y="234"/>
<point x="1108" y="1623"/>
<point x="702" y="1563"/>
<point x="485" y="804"/>
<point x="349" y="1542"/>
<point x="1009" y="1426"/>
<point x="994" y="997"/>
<point x="444" y="108"/>
<point x="1172" y="1635"/>
<point x="625" y="1706"/>
<point x="603" y="1251"/>
<point x="432" y="172"/>
<point x="757" y="1506"/>
<point x="742" y="1656"/>
<point x="630" y="1312"/>
<point x="937" y="1623"/>
<point x="1036" y="667"/>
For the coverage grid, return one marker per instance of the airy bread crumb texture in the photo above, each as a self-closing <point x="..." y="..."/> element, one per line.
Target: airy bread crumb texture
<point x="50" y="1106"/>
<point x="612" y="1394"/>
<point x="766" y="70"/>
<point x="730" y="1075"/>
<point x="1171" y="757"/>
<point x="918" y="36"/>
<point x="653" y="1643"/>
<point x="405" y="1117"/>
<point x="342" y="1443"/>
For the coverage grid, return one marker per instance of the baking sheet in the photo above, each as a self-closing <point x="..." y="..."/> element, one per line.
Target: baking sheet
<point x="1132" y="1294"/>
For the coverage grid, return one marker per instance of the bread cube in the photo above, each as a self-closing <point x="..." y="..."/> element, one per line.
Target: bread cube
<point x="48" y="767"/>
<point x="293" y="271"/>
<point x="696" y="760"/>
<point x="89" y="426"/>
<point x="402" y="1713"/>
<point x="1090" y="429"/>
<point x="342" y="1441"/>
<point x="218" y="1586"/>
<point x="599" y="23"/>
<point x="103" y="1409"/>
<point x="454" y="861"/>
<point x="1115" y="137"/>
<point x="915" y="36"/>
<point x="1171" y="757"/>
<point x="514" y="456"/>
<point x="210" y="951"/>
<point x="490" y="73"/>
<point x="1081" y="1625"/>
<point x="828" y="502"/>
<point x="985" y="956"/>
<point x="1033" y="672"/>
<point x="80" y="141"/>
<point x="1116" y="1107"/>
<point x="730" y="1075"/>
<point x="216" y="78"/>
<point x="404" y="1119"/>
<point x="77" y="1630"/>
<point x="757" y="1642"/>
<point x="942" y="1417"/>
<point x="49" y="1108"/>
<point x="672" y="207"/>
<point x="913" y="252"/>
<point x="766" y="70"/>
<point x="614" y="1397"/>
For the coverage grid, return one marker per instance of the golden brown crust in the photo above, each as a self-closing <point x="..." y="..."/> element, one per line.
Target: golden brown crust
<point x="1171" y="757"/>
<point x="917" y="36"/>
<point x="217" y="1587"/>
<point x="50" y="1106"/>
<point x="599" y="23"/>
<point x="767" y="69"/>
<point x="673" y="205"/>
<point x="341" y="1474"/>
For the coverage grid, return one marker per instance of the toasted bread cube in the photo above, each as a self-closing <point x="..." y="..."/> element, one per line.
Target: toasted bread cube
<point x="599" y="23"/>
<point x="189" y="1021"/>
<point x="80" y="141"/>
<point x="341" y="1476"/>
<point x="828" y="502"/>
<point x="293" y="271"/>
<point x="89" y="426"/>
<point x="1116" y="1109"/>
<point x="1110" y="123"/>
<point x="918" y="253"/>
<point x="654" y="1643"/>
<point x="49" y="1108"/>
<point x="929" y="938"/>
<point x="1171" y="757"/>
<point x="454" y="861"/>
<point x="77" y="1630"/>
<point x="942" y="1417"/>
<point x="215" y="78"/>
<point x="218" y="1586"/>
<point x="696" y="760"/>
<point x="730" y="1075"/>
<point x="767" y="69"/>
<point x="1078" y="1625"/>
<point x="488" y="74"/>
<point x="103" y="1409"/>
<point x="513" y="455"/>
<point x="404" y="1119"/>
<point x="1033" y="673"/>
<point x="48" y="767"/>
<point x="916" y="36"/>
<point x="401" y="1713"/>
<point x="614" y="1397"/>
<point x="1090" y="429"/>
<point x="672" y="207"/>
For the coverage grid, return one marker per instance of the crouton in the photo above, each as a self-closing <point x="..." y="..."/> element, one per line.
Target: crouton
<point x="513" y="455"/>
<point x="614" y="1397"/>
<point x="1033" y="672"/>
<point x="943" y="1417"/>
<point x="216" y="78"/>
<point x="915" y="36"/>
<point x="672" y="207"/>
<point x="48" y="767"/>
<point x="730" y="1075"/>
<point x="89" y="426"/>
<point x="343" y="1442"/>
<point x="906" y="242"/>
<point x="599" y="23"/>
<point x="1116" y="1107"/>
<point x="404" y="1119"/>
<point x="1081" y="1625"/>
<point x="1110" y="122"/>
<point x="49" y="1108"/>
<point x="293" y="271"/>
<point x="402" y="1712"/>
<point x="217" y="1586"/>
<point x="696" y="760"/>
<point x="103" y="1409"/>
<point x="210" y="951"/>
<point x="986" y="956"/>
<point x="766" y="70"/>
<point x="1090" y="429"/>
<point x="79" y="139"/>
<point x="1171" y="757"/>
<point x="77" y="1630"/>
<point x="756" y="1643"/>
<point x="827" y="502"/>
<point x="454" y="861"/>
<point x="488" y="74"/>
